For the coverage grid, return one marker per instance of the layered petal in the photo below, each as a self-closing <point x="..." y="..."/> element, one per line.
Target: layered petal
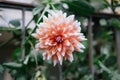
<point x="59" y="35"/>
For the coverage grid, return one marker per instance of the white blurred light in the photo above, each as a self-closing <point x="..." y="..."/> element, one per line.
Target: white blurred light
<point x="65" y="6"/>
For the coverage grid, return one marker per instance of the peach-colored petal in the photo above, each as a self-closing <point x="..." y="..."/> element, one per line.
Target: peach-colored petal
<point x="59" y="36"/>
<point x="55" y="59"/>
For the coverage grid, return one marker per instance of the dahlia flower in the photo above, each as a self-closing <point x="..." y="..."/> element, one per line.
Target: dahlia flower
<point x="59" y="36"/>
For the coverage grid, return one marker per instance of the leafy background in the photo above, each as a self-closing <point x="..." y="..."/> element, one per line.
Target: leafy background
<point x="32" y="66"/>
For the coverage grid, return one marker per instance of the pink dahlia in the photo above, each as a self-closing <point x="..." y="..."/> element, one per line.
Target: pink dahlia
<point x="59" y="36"/>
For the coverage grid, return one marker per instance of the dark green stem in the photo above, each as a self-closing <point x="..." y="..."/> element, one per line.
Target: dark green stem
<point x="46" y="8"/>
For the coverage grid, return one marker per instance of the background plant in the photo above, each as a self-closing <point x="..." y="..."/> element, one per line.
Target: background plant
<point x="32" y="67"/>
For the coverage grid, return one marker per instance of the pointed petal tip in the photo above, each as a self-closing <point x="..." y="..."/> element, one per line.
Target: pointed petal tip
<point x="63" y="54"/>
<point x="71" y="58"/>
<point x="60" y="62"/>
<point x="54" y="63"/>
<point x="33" y="35"/>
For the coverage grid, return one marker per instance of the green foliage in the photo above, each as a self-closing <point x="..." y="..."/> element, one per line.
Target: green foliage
<point x="9" y="29"/>
<point x="87" y="77"/>
<point x="1" y="69"/>
<point x="115" y="23"/>
<point x="37" y="9"/>
<point x="32" y="67"/>
<point x="17" y="53"/>
<point x="81" y="7"/>
<point x="15" y="22"/>
<point x="103" y="67"/>
<point x="100" y="4"/>
<point x="103" y="22"/>
<point x="115" y="75"/>
<point x="12" y="65"/>
<point x="21" y="78"/>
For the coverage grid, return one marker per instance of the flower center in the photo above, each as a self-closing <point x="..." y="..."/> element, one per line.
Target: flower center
<point x="58" y="39"/>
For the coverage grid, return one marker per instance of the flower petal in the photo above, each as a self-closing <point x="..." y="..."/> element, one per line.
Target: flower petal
<point x="58" y="36"/>
<point x="55" y="60"/>
<point x="67" y="43"/>
<point x="59" y="58"/>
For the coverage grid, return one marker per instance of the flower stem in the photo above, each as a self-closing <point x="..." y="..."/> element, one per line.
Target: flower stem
<point x="60" y="72"/>
<point x="36" y="61"/>
<point x="46" y="8"/>
<point x="53" y="7"/>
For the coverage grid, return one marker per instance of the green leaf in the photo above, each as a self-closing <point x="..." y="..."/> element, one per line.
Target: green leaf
<point x="26" y="59"/>
<point x="17" y="53"/>
<point x="80" y="7"/>
<point x="13" y="72"/>
<point x="37" y="10"/>
<point x="114" y="22"/>
<point x="115" y="75"/>
<point x="87" y="77"/>
<point x="104" y="67"/>
<point x="111" y="60"/>
<point x="9" y="29"/>
<point x="15" y="22"/>
<point x="38" y="73"/>
<point x="12" y="65"/>
<point x="21" y="78"/>
<point x="1" y="69"/>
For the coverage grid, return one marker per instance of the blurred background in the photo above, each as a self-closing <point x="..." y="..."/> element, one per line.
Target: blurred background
<point x="100" y="22"/>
